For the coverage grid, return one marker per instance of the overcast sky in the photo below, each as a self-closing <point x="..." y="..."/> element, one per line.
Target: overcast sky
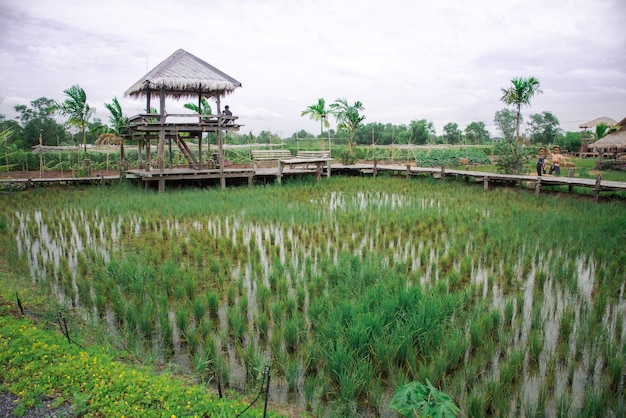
<point x="444" y="60"/>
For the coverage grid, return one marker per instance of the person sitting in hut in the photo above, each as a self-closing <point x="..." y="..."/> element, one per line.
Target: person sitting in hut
<point x="227" y="111"/>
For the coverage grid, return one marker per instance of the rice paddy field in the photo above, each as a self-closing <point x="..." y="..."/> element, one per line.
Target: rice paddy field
<point x="349" y="288"/>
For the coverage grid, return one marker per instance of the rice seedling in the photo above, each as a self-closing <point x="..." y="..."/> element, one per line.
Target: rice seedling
<point x="262" y="322"/>
<point x="198" y="305"/>
<point x="535" y="341"/>
<point x="212" y="303"/>
<point x="291" y="334"/>
<point x="236" y="323"/>
<point x="347" y="275"/>
<point x="182" y="319"/>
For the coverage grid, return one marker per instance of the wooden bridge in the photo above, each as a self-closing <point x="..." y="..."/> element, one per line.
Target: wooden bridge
<point x="299" y="166"/>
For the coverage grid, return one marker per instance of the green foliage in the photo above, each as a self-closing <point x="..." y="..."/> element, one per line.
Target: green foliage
<point x="77" y="110"/>
<point x="543" y="128"/>
<point x="318" y="112"/>
<point x="451" y="156"/>
<point x="38" y="122"/>
<point x="476" y="133"/>
<point x="510" y="159"/>
<point x="348" y="117"/>
<point x="39" y="363"/>
<point x="352" y="285"/>
<point x="451" y="133"/>
<point x="348" y="157"/>
<point x="504" y="119"/>
<point x="571" y="142"/>
<point x="417" y="399"/>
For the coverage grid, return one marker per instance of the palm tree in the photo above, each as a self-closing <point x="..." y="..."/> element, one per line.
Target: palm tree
<point x="319" y="112"/>
<point x="601" y="130"/>
<point x="348" y="117"/>
<point x="204" y="109"/>
<point x="118" y="121"/>
<point x="78" y="111"/>
<point x="518" y="95"/>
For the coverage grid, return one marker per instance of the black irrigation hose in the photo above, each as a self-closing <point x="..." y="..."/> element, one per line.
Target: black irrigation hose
<point x="19" y="303"/>
<point x="65" y="330"/>
<point x="266" y="373"/>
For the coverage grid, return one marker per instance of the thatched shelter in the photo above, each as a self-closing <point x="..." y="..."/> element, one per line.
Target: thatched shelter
<point x="597" y="121"/>
<point x="182" y="75"/>
<point x="614" y="140"/>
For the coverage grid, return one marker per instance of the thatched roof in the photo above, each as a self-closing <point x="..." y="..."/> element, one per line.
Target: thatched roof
<point x="616" y="138"/>
<point x="593" y="123"/>
<point x="184" y="75"/>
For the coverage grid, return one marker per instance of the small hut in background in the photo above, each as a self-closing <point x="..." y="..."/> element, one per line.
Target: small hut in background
<point x="592" y="124"/>
<point x="613" y="143"/>
<point x="181" y="75"/>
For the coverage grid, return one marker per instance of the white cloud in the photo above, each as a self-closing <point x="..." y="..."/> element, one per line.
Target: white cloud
<point x="444" y="61"/>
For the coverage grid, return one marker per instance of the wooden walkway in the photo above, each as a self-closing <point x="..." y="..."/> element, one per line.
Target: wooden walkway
<point x="59" y="181"/>
<point x="596" y="185"/>
<point x="270" y="174"/>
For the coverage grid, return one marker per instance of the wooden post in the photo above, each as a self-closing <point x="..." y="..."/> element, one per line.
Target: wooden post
<point x="148" y="154"/>
<point x="279" y="175"/>
<point x="200" y="150"/>
<point x="570" y="187"/>
<point x="486" y="183"/>
<point x="538" y="186"/>
<point x="375" y="169"/>
<point x="318" y="170"/>
<point x="408" y="171"/>
<point x="443" y="173"/>
<point x="161" y="146"/>
<point x="596" y="189"/>
<point x="139" y="157"/>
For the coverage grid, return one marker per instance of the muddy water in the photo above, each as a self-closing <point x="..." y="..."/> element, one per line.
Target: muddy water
<point x="52" y="244"/>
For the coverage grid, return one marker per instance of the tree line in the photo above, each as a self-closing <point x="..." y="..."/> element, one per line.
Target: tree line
<point x="38" y="123"/>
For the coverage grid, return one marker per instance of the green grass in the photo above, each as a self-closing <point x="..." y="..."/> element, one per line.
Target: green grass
<point x="353" y="285"/>
<point x="40" y="364"/>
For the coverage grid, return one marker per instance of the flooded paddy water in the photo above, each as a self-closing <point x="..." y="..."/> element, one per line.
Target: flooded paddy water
<point x="513" y="305"/>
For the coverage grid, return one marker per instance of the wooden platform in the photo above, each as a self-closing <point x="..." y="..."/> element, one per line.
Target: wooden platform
<point x="298" y="167"/>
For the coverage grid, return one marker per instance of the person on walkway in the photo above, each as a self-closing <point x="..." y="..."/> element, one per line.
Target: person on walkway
<point x="541" y="164"/>
<point x="557" y="160"/>
<point x="227" y="111"/>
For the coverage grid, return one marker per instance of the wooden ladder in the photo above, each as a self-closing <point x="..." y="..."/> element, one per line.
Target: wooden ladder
<point x="184" y="148"/>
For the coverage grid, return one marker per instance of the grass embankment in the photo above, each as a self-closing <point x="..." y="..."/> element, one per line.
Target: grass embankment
<point x="45" y="370"/>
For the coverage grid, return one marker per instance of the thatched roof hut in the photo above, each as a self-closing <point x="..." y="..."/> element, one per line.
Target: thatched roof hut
<point x="615" y="139"/>
<point x="184" y="75"/>
<point x="602" y="120"/>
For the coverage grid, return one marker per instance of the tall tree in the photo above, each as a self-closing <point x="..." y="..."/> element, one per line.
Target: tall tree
<point x="318" y="111"/>
<point x="505" y="121"/>
<point x="119" y="122"/>
<point x="476" y="132"/>
<point x="518" y="95"/>
<point x="78" y="111"/>
<point x="348" y="117"/>
<point x="451" y="133"/>
<point x="543" y="128"/>
<point x="38" y="119"/>
<point x="421" y="131"/>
